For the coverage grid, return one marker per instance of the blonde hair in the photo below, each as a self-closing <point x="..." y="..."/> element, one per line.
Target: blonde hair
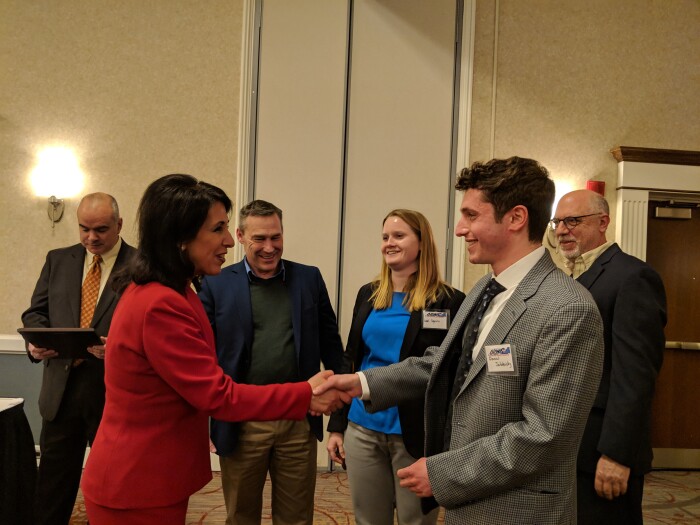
<point x="423" y="287"/>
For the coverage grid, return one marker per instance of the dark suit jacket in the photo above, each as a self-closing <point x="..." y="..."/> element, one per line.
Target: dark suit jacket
<point x="415" y="342"/>
<point x="226" y="299"/>
<point x="56" y="303"/>
<point x="632" y="302"/>
<point x="512" y="454"/>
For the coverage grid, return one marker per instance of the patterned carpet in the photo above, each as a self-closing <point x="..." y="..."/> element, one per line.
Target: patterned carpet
<point x="670" y="498"/>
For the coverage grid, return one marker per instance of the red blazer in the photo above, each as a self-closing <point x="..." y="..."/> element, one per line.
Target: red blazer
<point x="163" y="383"/>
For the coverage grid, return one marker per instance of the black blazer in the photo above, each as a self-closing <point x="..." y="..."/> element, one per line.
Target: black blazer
<point x="632" y="302"/>
<point x="416" y="340"/>
<point x="56" y="303"/>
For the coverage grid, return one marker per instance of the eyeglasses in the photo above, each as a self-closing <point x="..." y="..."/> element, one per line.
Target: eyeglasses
<point x="570" y="222"/>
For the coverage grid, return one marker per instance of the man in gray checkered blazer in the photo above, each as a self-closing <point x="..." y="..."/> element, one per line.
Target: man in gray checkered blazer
<point x="501" y="440"/>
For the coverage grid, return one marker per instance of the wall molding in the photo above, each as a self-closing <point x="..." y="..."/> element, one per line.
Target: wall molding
<point x="12" y="344"/>
<point x="464" y="125"/>
<point x="247" y="116"/>
<point x="643" y="177"/>
<point x="656" y="155"/>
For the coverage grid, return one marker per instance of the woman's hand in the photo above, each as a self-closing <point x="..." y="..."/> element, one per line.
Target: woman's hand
<point x="335" y="448"/>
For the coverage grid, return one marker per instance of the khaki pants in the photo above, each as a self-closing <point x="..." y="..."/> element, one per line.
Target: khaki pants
<point x="287" y="449"/>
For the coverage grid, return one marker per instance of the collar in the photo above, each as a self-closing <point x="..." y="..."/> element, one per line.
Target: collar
<point x="108" y="258"/>
<point x="516" y="272"/>
<point x="585" y="261"/>
<point x="251" y="274"/>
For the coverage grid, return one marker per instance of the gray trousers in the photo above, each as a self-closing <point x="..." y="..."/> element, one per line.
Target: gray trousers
<point x="372" y="459"/>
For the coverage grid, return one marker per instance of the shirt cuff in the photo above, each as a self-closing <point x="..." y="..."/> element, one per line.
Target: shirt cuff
<point x="365" y="386"/>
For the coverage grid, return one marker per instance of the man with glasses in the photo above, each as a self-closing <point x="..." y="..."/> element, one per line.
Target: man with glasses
<point x="616" y="451"/>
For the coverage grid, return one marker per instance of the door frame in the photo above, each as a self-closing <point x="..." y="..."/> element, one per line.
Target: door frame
<point x="645" y="171"/>
<point x="645" y="174"/>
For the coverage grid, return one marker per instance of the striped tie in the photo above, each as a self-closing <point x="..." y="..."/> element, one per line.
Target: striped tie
<point x="90" y="292"/>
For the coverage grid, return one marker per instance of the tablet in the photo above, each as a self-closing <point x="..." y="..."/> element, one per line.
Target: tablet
<point x="70" y="343"/>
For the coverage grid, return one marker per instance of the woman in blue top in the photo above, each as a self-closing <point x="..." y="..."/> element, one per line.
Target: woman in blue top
<point x="398" y="315"/>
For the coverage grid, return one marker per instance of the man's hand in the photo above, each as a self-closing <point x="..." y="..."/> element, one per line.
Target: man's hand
<point x="41" y="353"/>
<point x="348" y="383"/>
<point x="328" y="402"/>
<point x="611" y="478"/>
<point x="415" y="478"/>
<point x="98" y="350"/>
<point x="335" y="448"/>
<point x="319" y="378"/>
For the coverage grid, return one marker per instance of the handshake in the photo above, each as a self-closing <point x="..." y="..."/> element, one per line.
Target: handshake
<point x="332" y="392"/>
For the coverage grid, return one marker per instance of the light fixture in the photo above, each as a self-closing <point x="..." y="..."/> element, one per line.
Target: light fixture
<point x="56" y="175"/>
<point x="562" y="187"/>
<point x="55" y="209"/>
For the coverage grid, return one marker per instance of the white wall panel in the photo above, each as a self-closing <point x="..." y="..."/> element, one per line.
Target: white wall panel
<point x="400" y="127"/>
<point x="301" y="115"/>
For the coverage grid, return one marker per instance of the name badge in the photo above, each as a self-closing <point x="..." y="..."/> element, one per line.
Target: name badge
<point x="500" y="360"/>
<point x="436" y="319"/>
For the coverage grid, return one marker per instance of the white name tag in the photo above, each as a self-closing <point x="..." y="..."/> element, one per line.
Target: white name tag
<point x="500" y="359"/>
<point x="436" y="319"/>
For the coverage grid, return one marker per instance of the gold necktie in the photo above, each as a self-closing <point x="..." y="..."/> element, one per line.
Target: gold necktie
<point x="90" y="292"/>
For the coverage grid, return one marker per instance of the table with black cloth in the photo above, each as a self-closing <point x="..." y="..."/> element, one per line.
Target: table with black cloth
<point x="17" y="463"/>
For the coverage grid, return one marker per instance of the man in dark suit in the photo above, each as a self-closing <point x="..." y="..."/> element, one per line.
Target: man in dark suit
<point x="73" y="290"/>
<point x="508" y="390"/>
<point x="273" y="323"/>
<point x="616" y="449"/>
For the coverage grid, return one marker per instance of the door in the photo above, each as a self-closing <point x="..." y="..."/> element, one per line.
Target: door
<point x="673" y="250"/>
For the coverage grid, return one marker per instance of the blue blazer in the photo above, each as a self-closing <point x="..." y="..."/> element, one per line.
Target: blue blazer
<point x="226" y="299"/>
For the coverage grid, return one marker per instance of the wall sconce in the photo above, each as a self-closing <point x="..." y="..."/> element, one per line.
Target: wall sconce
<point x="55" y="209"/>
<point x="57" y="175"/>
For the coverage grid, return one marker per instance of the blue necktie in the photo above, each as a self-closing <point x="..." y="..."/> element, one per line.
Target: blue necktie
<point x="471" y="332"/>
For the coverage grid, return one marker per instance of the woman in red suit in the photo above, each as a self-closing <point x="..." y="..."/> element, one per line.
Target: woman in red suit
<point x="162" y="378"/>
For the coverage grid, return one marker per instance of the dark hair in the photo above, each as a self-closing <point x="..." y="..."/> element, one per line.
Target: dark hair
<point x="507" y="183"/>
<point x="257" y="208"/>
<point x="172" y="210"/>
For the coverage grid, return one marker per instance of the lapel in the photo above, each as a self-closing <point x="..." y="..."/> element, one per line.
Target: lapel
<point x="458" y="323"/>
<point x="74" y="282"/>
<point x="294" y="287"/>
<point x="591" y="275"/>
<point x="108" y="296"/>
<point x="240" y="303"/>
<point x="359" y="319"/>
<point x="414" y="325"/>
<point x="512" y="311"/>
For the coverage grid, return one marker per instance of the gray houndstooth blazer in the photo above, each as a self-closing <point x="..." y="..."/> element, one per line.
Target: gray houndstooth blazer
<point x="512" y="454"/>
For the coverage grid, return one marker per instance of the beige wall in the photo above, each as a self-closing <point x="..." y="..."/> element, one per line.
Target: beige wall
<point x="143" y="89"/>
<point x="574" y="79"/>
<point x="138" y="89"/>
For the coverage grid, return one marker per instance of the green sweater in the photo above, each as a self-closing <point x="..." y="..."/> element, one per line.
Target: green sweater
<point x="273" y="354"/>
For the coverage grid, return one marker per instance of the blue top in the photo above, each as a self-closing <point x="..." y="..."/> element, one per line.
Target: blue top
<point x="382" y="335"/>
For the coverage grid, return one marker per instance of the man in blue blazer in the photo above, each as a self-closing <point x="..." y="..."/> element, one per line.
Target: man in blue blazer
<point x="616" y="449"/>
<point x="273" y="323"/>
<point x="73" y="391"/>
